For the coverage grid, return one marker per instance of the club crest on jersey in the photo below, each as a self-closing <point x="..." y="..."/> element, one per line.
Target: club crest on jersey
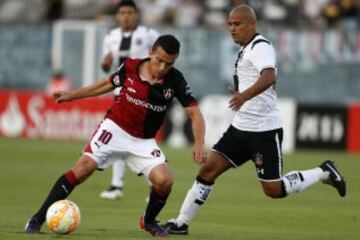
<point x="258" y="159"/>
<point x="116" y="80"/>
<point x="156" y="153"/>
<point x="138" y="41"/>
<point x="168" y="93"/>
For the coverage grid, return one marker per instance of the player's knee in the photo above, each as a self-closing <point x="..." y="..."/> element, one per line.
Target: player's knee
<point x="273" y="191"/>
<point x="273" y="194"/>
<point x="164" y="182"/>
<point x="213" y="167"/>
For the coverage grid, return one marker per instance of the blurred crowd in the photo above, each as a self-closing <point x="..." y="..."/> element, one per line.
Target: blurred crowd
<point x="190" y="13"/>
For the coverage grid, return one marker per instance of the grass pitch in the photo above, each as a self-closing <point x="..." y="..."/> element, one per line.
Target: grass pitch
<point x="237" y="208"/>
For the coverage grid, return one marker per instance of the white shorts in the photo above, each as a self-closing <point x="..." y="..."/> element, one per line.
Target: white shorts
<point x="110" y="143"/>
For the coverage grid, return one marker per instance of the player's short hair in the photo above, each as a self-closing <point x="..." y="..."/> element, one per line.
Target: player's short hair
<point x="127" y="3"/>
<point x="169" y="43"/>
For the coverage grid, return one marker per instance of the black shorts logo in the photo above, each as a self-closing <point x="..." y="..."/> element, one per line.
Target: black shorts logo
<point x="258" y="159"/>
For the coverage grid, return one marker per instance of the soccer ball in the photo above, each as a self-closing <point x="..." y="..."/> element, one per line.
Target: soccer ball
<point x="63" y="217"/>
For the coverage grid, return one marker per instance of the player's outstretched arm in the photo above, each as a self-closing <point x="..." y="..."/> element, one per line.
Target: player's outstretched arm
<point x="198" y="129"/>
<point x="93" y="90"/>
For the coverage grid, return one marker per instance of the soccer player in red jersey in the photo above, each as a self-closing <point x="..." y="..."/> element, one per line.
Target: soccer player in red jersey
<point x="128" y="130"/>
<point x="129" y="39"/>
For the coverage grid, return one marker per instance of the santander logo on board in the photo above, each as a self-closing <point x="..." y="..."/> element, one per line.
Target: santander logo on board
<point x="12" y="121"/>
<point x="36" y="116"/>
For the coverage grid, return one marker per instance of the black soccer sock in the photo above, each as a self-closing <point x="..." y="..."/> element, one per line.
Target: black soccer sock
<point x="156" y="203"/>
<point x="61" y="189"/>
<point x="203" y="181"/>
<point x="283" y="190"/>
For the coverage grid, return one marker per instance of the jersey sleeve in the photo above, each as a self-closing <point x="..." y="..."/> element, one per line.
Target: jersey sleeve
<point x="117" y="78"/>
<point x="184" y="93"/>
<point x="263" y="56"/>
<point x="153" y="35"/>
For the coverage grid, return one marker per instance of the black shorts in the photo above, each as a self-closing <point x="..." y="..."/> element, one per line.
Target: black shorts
<point x="263" y="148"/>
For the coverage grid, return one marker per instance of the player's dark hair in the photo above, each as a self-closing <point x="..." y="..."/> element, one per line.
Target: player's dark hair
<point x="127" y="3"/>
<point x="169" y="43"/>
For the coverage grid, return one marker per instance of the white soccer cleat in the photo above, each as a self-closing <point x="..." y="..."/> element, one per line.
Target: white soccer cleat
<point x="112" y="193"/>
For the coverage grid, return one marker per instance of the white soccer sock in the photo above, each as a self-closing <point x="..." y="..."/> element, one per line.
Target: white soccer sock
<point x="118" y="173"/>
<point x="297" y="181"/>
<point x="195" y="197"/>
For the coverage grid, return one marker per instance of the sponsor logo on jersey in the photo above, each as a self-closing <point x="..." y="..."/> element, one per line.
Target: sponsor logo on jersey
<point x="130" y="89"/>
<point x="142" y="103"/>
<point x="168" y="93"/>
<point x="156" y="153"/>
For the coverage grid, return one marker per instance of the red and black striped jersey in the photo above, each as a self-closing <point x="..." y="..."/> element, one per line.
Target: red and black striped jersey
<point x="140" y="107"/>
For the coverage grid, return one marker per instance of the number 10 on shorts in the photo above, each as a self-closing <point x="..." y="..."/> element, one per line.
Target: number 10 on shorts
<point x="105" y="137"/>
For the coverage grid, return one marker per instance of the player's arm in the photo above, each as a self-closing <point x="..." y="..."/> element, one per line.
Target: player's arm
<point x="267" y="79"/>
<point x="93" y="90"/>
<point x="107" y="56"/>
<point x="106" y="62"/>
<point x="198" y="129"/>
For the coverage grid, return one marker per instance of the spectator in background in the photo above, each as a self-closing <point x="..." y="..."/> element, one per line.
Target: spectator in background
<point x="292" y="12"/>
<point x="157" y="12"/>
<point x="128" y="40"/>
<point x="350" y="13"/>
<point x="54" y="9"/>
<point x="332" y="13"/>
<point x="188" y="13"/>
<point x="312" y="12"/>
<point x="58" y="82"/>
<point x="215" y="12"/>
<point x="274" y="12"/>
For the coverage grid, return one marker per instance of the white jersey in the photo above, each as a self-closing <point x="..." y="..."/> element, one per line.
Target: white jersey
<point x="260" y="113"/>
<point x="142" y="40"/>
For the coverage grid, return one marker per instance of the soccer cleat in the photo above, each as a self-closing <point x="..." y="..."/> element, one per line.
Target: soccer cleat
<point x="153" y="228"/>
<point x="335" y="179"/>
<point x="33" y="226"/>
<point x="172" y="228"/>
<point x="112" y="193"/>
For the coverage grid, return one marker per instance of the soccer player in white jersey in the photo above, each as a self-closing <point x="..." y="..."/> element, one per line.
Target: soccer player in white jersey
<point x="256" y="131"/>
<point x="128" y="40"/>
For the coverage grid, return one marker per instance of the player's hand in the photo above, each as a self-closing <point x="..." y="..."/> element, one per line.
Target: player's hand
<point x="61" y="96"/>
<point x="237" y="100"/>
<point x="198" y="153"/>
